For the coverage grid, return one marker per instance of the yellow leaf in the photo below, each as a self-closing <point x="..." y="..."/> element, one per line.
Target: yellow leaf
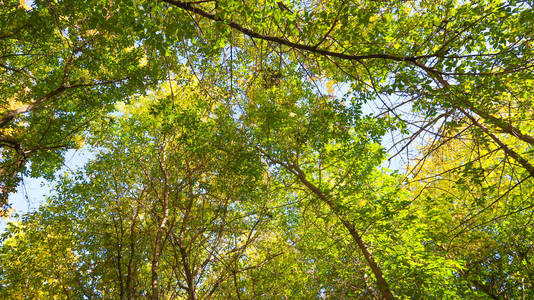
<point x="329" y="87"/>
<point x="143" y="61"/>
<point x="24" y="5"/>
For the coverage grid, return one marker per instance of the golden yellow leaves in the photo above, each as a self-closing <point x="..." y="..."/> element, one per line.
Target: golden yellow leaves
<point x="330" y="87"/>
<point x="24" y="5"/>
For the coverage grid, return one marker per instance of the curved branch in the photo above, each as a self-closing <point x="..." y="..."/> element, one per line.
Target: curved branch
<point x="381" y="282"/>
<point x="13" y="113"/>
<point x="516" y="156"/>
<point x="187" y="6"/>
<point x="522" y="161"/>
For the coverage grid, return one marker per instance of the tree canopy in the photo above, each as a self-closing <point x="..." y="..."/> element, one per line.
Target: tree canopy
<point x="269" y="149"/>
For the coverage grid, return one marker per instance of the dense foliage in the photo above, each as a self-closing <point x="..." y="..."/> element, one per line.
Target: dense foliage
<point x="240" y="149"/>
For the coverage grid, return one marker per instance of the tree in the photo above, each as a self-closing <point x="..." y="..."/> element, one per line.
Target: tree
<point x="479" y="210"/>
<point x="63" y="65"/>
<point x="328" y="154"/>
<point x="368" y="47"/>
<point x="217" y="120"/>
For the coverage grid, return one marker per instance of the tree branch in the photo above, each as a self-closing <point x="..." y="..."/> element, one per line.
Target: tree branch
<point x="13" y="113"/>
<point x="382" y="284"/>
<point x="187" y="6"/>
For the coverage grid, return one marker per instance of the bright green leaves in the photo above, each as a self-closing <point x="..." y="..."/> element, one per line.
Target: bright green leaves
<point x="476" y="213"/>
<point x="48" y="255"/>
<point x="174" y="187"/>
<point x="248" y="164"/>
<point x="63" y="64"/>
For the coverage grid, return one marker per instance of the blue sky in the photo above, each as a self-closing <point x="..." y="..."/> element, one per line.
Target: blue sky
<point x="33" y="191"/>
